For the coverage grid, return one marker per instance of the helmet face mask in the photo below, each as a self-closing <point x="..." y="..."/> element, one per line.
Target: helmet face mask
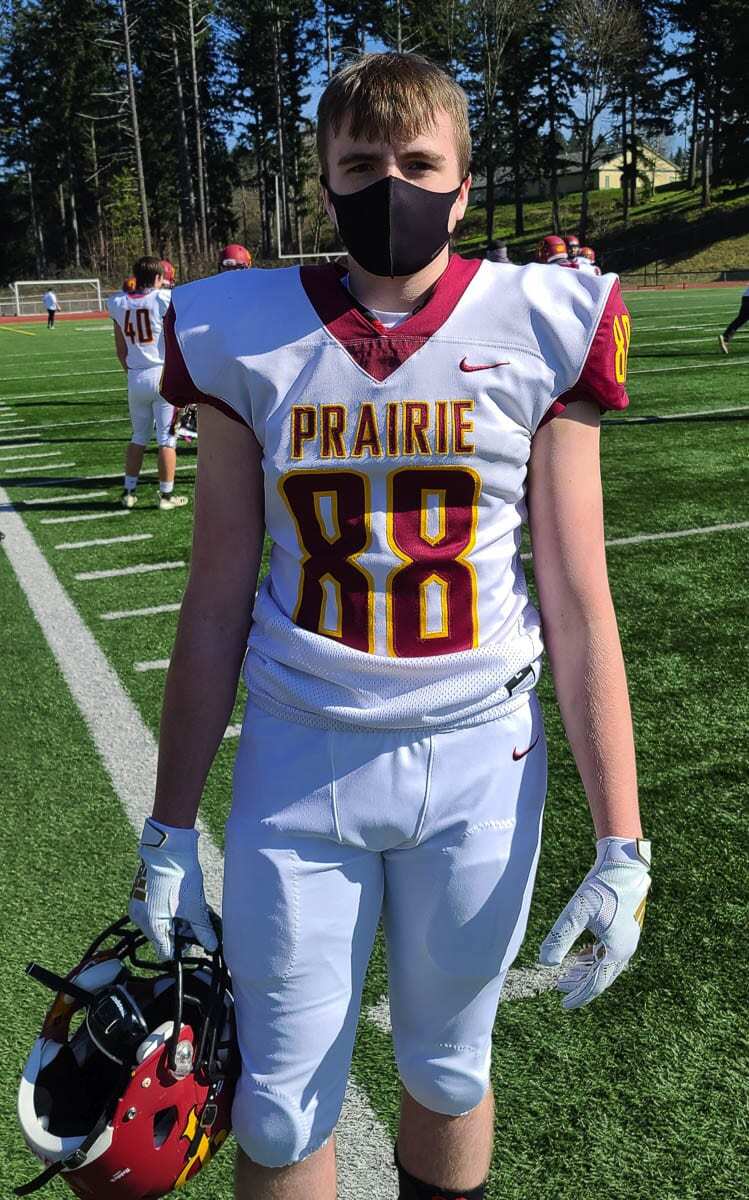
<point x="572" y="242"/>
<point x="137" y="1098"/>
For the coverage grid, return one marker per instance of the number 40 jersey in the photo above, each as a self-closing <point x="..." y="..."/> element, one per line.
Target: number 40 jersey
<point x="395" y="466"/>
<point x="140" y="316"/>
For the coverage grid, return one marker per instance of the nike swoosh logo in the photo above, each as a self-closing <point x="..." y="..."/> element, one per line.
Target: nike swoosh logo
<point x="466" y="366"/>
<point x="518" y="754"/>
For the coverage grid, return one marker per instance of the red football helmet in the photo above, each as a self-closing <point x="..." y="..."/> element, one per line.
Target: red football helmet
<point x="572" y="242"/>
<point x="551" y="249"/>
<point x="167" y="270"/>
<point x="234" y="258"/>
<point x="587" y="252"/>
<point x="129" y="285"/>
<point x="135" y="1099"/>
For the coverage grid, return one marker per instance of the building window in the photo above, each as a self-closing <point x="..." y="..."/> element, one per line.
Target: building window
<point x="607" y="181"/>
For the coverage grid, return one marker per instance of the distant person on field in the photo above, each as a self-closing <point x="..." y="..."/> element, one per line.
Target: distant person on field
<point x="49" y="300"/>
<point x="234" y="257"/>
<point x="743" y="316"/>
<point x="572" y="242"/>
<point x="586" y="260"/>
<point x="139" y="341"/>
<point x="497" y="252"/>
<point x="552" y="249"/>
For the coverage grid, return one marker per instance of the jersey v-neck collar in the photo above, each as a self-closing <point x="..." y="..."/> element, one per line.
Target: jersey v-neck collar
<point x="376" y="350"/>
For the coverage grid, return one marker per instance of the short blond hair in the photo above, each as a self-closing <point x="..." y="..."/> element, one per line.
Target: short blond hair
<point x="394" y="97"/>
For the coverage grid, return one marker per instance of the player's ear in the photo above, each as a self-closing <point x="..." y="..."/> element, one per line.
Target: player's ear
<point x="461" y="203"/>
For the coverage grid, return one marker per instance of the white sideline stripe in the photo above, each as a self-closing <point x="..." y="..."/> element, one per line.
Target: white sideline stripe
<point x="116" y="512"/>
<point x="127" y="537"/>
<point x="42" y="467"/>
<point x="707" y="366"/>
<point x="138" y="569"/>
<point x="57" y="395"/>
<point x="21" y="457"/>
<point x="668" y="535"/>
<point x="93" y="328"/>
<point x="60" y="499"/>
<point x="139" y="612"/>
<point x="156" y="664"/>
<point x="62" y="375"/>
<point x="233" y="731"/>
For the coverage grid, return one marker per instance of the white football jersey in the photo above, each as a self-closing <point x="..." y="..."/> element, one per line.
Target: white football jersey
<point x="140" y="316"/>
<point x="395" y="465"/>
<point x="584" y="264"/>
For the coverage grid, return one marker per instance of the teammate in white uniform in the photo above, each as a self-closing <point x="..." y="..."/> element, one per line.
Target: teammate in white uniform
<point x="387" y="426"/>
<point x="139" y="341"/>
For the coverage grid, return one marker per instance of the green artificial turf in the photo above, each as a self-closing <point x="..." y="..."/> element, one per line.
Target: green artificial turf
<point x="643" y="1095"/>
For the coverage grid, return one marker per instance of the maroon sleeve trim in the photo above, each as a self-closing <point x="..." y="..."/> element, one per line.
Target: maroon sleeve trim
<point x="176" y="384"/>
<point x="597" y="380"/>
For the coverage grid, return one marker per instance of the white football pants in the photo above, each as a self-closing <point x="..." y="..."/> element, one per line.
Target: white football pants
<point x="437" y="834"/>
<point x="148" y="408"/>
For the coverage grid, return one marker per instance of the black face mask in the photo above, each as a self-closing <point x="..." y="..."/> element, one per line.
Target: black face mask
<point x="392" y="227"/>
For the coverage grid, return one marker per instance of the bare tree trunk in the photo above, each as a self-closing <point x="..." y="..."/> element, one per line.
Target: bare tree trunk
<point x="279" y="130"/>
<point x="97" y="197"/>
<point x="398" y="27"/>
<point x="198" y="130"/>
<point x="136" y="133"/>
<point x="207" y="193"/>
<point x="187" y="197"/>
<point x="328" y="41"/>
<point x="625" y="161"/>
<point x="181" y="256"/>
<point x="634" y="153"/>
<point x="706" y="163"/>
<point x="517" y="168"/>
<point x="63" y="219"/>
<point x="74" y="218"/>
<point x="692" y="175"/>
<point x="553" y="164"/>
<point x="39" y="256"/>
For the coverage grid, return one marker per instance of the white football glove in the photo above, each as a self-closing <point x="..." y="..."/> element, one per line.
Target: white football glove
<point x="168" y="886"/>
<point x="610" y="902"/>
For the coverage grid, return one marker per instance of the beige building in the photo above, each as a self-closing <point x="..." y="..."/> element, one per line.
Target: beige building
<point x="606" y="174"/>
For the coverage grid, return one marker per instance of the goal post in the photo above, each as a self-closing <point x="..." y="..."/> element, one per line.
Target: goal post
<point x="73" y="295"/>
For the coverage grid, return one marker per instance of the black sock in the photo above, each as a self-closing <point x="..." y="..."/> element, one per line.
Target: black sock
<point x="411" y="1188"/>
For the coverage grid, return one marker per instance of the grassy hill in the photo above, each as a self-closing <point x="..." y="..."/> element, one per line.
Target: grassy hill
<point x="670" y="233"/>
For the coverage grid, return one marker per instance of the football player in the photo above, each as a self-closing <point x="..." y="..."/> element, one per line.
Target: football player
<point x="234" y="258"/>
<point x="739" y="320"/>
<point x="167" y="274"/>
<point x="572" y="242"/>
<point x="391" y="427"/>
<point x="139" y="342"/>
<point x="551" y="249"/>
<point x="129" y="285"/>
<point x="586" y="260"/>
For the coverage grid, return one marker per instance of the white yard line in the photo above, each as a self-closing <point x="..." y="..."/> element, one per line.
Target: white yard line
<point x="42" y="466"/>
<point x="149" y="476"/>
<point x="61" y="375"/>
<point x="152" y="611"/>
<point x="667" y="535"/>
<point x="706" y="366"/>
<point x="27" y="444"/>
<point x="156" y="664"/>
<point x="138" y="569"/>
<point x="103" y="328"/>
<point x="61" y="499"/>
<point x="51" y="396"/>
<point x="684" y="416"/>
<point x="67" y="424"/>
<point x="104" y="516"/>
<point x="21" y="457"/>
<point x="127" y="537"/>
